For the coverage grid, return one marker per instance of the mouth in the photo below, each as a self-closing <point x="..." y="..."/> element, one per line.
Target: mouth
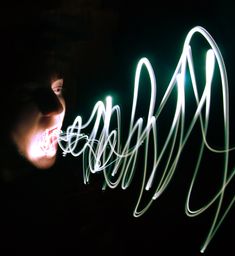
<point x="48" y="141"/>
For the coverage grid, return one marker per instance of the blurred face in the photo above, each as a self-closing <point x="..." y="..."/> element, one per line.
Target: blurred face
<point x="37" y="129"/>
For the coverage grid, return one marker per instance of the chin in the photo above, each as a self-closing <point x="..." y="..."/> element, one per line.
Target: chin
<point x="44" y="162"/>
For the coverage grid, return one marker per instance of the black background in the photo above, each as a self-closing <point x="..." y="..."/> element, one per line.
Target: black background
<point x="99" y="44"/>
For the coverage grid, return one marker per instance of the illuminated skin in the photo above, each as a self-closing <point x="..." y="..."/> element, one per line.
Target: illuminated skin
<point x="37" y="129"/>
<point x="102" y="150"/>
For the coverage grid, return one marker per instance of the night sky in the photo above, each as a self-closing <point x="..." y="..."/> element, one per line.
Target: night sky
<point x="96" y="44"/>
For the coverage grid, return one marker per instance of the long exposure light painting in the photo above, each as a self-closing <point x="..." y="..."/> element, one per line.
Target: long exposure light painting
<point x="103" y="150"/>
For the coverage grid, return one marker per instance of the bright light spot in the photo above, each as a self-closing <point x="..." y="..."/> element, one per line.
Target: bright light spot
<point x="44" y="144"/>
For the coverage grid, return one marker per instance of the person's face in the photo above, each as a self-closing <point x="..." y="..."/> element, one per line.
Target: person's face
<point x="37" y="130"/>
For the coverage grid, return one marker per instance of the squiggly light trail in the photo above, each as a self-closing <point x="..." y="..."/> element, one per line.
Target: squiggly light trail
<point x="102" y="151"/>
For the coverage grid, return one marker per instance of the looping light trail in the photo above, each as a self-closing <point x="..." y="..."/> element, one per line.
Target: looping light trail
<point x="102" y="151"/>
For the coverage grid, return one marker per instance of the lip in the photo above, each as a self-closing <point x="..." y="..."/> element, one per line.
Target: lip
<point x="53" y="134"/>
<point x="48" y="141"/>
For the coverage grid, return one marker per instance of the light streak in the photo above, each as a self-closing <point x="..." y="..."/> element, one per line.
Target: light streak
<point x="102" y="151"/>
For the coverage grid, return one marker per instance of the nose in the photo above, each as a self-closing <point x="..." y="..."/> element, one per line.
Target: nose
<point x="48" y="102"/>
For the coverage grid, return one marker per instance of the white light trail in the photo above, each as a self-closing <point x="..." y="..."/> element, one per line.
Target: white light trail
<point x="102" y="151"/>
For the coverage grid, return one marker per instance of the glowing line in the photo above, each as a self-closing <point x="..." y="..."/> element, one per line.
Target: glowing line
<point x="102" y="151"/>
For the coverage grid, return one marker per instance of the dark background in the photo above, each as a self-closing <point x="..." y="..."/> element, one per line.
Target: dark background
<point x="96" y="45"/>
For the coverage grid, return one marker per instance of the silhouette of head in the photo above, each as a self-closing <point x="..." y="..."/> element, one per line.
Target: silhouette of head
<point x="37" y="126"/>
<point x="32" y="105"/>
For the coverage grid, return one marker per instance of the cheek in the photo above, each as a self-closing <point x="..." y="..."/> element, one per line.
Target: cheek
<point x="26" y="124"/>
